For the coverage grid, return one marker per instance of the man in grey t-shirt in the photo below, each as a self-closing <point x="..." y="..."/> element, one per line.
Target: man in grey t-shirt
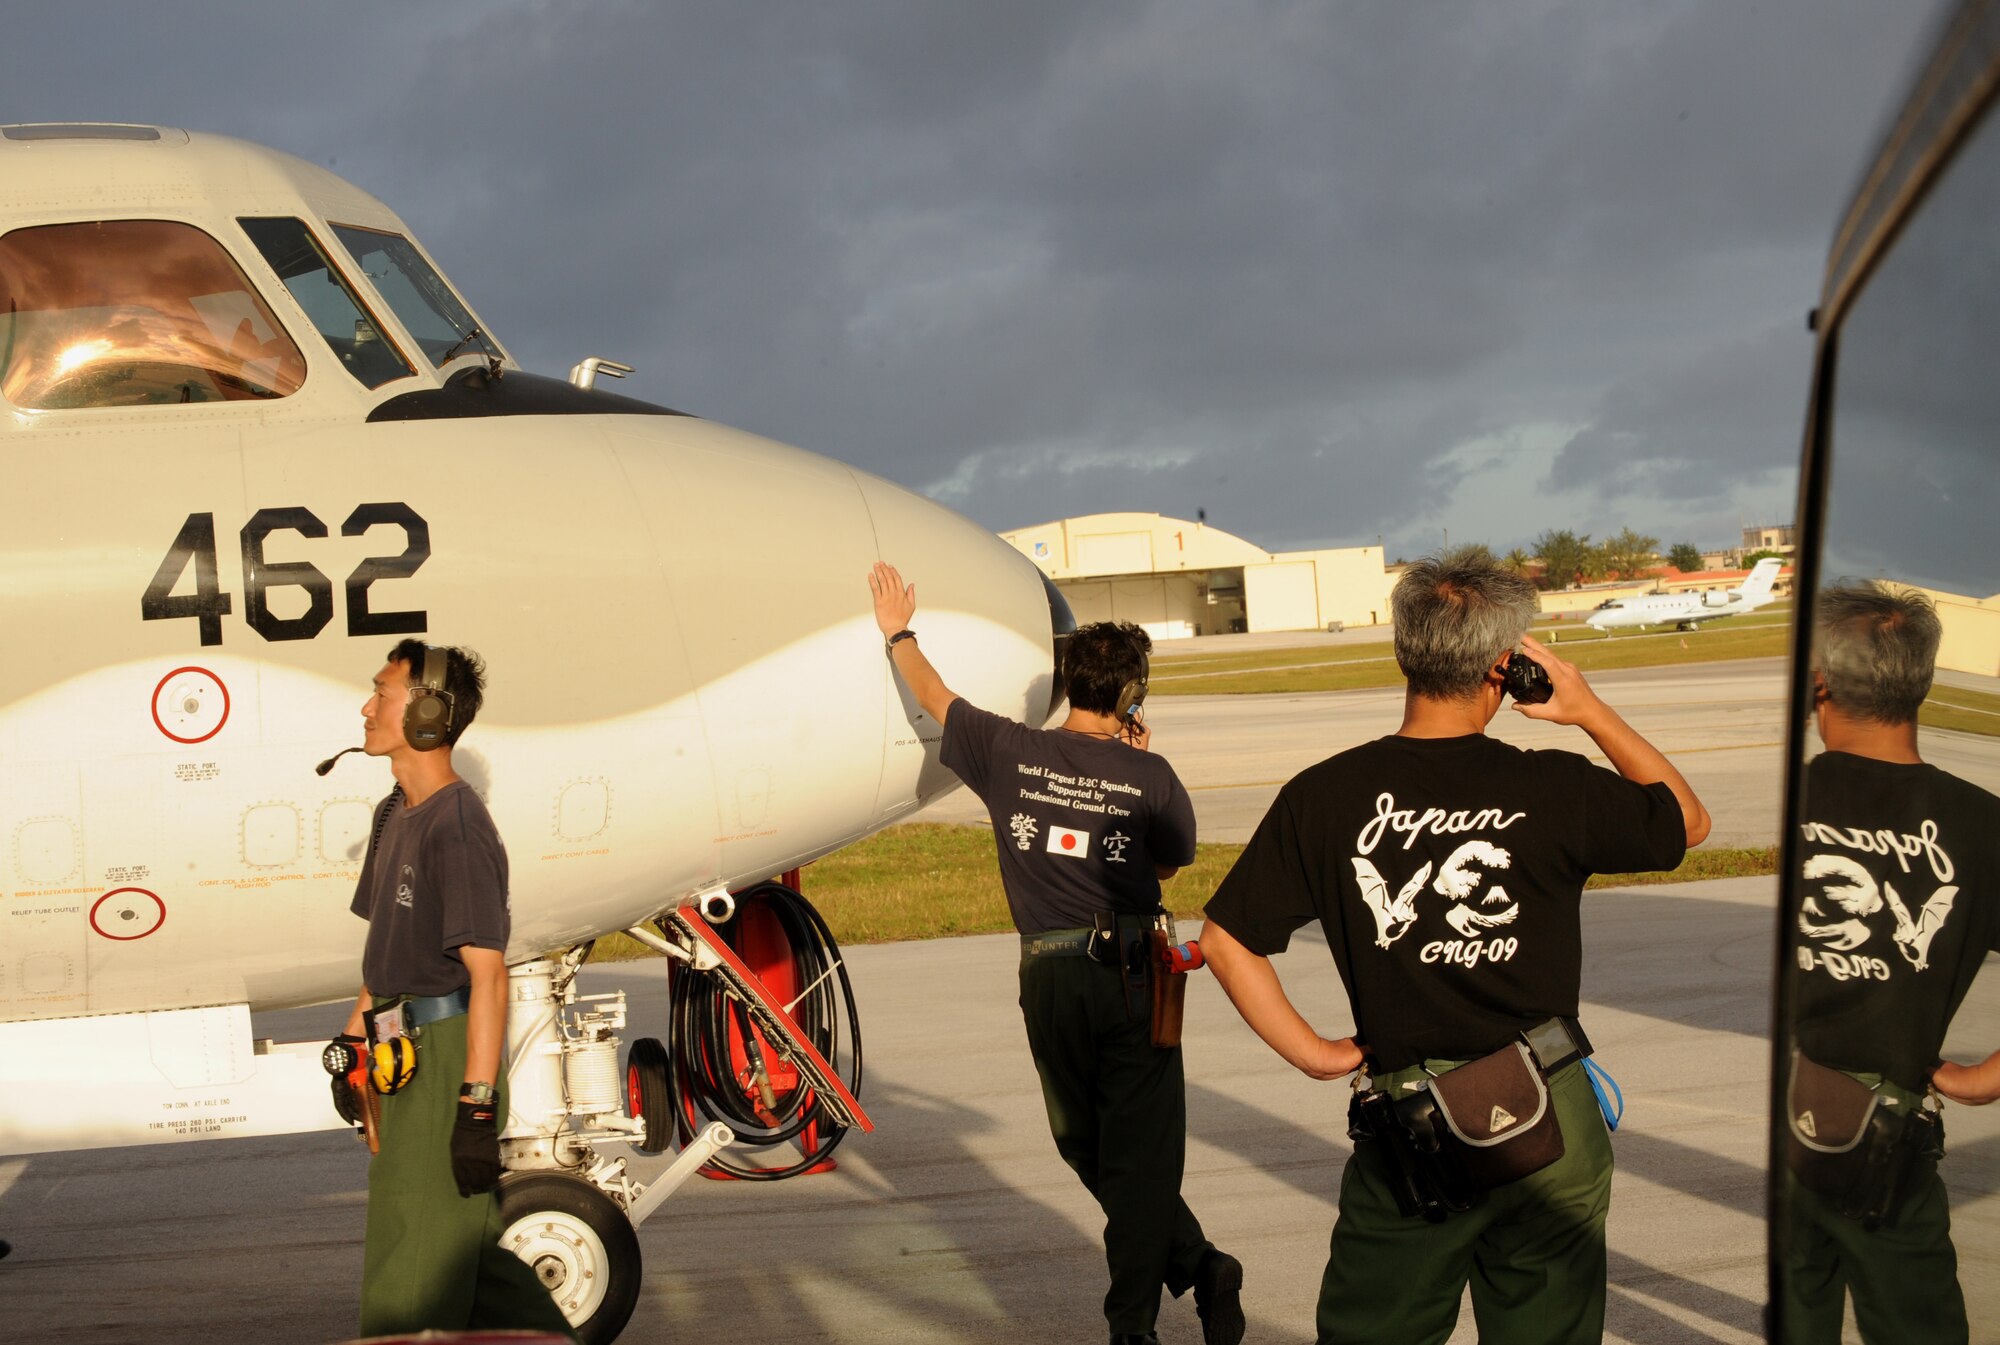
<point x="434" y="892"/>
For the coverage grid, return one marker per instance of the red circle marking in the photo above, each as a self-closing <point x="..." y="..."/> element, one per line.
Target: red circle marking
<point x="1069" y="842"/>
<point x="127" y="938"/>
<point x="161" y="686"/>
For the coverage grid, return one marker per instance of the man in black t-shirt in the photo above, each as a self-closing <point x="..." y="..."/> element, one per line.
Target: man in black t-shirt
<point x="433" y="889"/>
<point x="1447" y="871"/>
<point x="1895" y="917"/>
<point x="1087" y="823"/>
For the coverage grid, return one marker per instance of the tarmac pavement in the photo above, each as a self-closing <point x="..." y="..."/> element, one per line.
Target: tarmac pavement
<point x="955" y="1221"/>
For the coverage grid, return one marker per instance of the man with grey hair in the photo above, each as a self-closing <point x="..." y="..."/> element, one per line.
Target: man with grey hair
<point x="1895" y="917"/>
<point x="1447" y="869"/>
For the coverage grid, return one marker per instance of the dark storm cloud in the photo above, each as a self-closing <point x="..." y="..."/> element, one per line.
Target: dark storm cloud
<point x="1280" y="260"/>
<point x="1694" y="433"/>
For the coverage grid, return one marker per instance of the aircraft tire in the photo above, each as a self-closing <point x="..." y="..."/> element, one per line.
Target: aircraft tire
<point x="581" y="1246"/>
<point x="649" y="1093"/>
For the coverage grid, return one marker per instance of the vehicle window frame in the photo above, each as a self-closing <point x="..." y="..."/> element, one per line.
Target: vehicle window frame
<point x="1952" y="100"/>
<point x="477" y="324"/>
<point x="355" y="295"/>
<point x="264" y="310"/>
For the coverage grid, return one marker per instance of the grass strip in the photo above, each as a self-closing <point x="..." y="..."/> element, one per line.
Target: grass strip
<point x="926" y="880"/>
<point x="1360" y="666"/>
<point x="1962" y="710"/>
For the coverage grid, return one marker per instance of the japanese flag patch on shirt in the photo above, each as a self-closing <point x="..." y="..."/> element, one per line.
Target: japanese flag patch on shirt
<point x="1063" y="841"/>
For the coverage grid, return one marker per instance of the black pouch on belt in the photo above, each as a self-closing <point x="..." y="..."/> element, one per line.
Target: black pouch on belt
<point x="1406" y="1140"/>
<point x="1498" y="1120"/>
<point x="1849" y="1143"/>
<point x="1103" y="946"/>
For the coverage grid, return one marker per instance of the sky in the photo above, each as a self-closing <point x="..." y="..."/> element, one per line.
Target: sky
<point x="1326" y="272"/>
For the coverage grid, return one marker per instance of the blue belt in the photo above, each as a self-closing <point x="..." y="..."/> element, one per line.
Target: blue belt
<point x="420" y="1010"/>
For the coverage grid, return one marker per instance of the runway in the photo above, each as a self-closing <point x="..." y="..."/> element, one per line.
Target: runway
<point x="956" y="1222"/>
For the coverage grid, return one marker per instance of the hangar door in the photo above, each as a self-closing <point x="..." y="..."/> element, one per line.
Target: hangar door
<point x="1281" y="597"/>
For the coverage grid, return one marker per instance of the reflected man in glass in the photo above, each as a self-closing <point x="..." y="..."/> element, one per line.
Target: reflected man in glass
<point x="1896" y="913"/>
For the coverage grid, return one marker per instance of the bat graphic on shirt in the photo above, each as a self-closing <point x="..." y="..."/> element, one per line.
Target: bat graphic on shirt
<point x="1392" y="918"/>
<point x="1913" y="937"/>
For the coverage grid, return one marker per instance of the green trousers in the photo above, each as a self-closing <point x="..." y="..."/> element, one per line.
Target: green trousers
<point x="1533" y="1250"/>
<point x="433" y="1259"/>
<point x="1904" y="1276"/>
<point x="1118" y="1111"/>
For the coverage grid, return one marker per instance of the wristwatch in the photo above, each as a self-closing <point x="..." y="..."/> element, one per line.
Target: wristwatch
<point x="477" y="1092"/>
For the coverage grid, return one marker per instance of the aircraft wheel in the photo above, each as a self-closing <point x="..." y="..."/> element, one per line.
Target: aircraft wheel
<point x="579" y="1244"/>
<point x="649" y="1094"/>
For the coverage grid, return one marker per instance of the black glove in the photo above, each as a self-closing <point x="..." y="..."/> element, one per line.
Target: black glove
<point x="475" y="1148"/>
<point x="342" y="1059"/>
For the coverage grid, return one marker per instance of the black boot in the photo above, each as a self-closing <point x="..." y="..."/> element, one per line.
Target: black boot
<point x="1134" y="1338"/>
<point x="1218" y="1298"/>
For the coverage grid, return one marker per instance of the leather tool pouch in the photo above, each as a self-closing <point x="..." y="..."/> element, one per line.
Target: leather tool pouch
<point x="1848" y="1145"/>
<point x="1169" y="989"/>
<point x="1488" y="1122"/>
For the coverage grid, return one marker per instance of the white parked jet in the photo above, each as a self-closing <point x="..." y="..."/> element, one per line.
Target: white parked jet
<point x="250" y="437"/>
<point x="1686" y="611"/>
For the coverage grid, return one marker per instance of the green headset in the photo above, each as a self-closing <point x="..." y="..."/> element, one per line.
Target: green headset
<point x="427" y="721"/>
<point x="1133" y="694"/>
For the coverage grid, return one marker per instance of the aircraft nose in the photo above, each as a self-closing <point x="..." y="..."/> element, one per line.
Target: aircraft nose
<point x="1062" y="624"/>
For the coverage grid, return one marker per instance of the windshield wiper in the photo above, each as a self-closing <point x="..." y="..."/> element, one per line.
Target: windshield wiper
<point x="458" y="346"/>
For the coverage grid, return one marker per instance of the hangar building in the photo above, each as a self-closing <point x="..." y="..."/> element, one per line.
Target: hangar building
<point x="1177" y="578"/>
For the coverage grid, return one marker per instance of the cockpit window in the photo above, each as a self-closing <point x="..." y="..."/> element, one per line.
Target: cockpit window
<point x="418" y="294"/>
<point x="134" y="313"/>
<point x="335" y="310"/>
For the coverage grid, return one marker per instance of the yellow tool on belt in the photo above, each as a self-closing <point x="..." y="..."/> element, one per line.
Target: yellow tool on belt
<point x="394" y="1064"/>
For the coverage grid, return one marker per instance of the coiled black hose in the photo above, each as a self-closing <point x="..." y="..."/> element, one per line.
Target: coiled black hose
<point x="703" y="1017"/>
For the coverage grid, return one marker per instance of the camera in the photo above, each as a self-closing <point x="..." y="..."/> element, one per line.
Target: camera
<point x="1526" y="681"/>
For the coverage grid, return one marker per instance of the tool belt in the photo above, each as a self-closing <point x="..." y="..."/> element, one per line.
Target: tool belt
<point x="1147" y="953"/>
<point x="1450" y="1137"/>
<point x="1860" y="1146"/>
<point x="393" y="1026"/>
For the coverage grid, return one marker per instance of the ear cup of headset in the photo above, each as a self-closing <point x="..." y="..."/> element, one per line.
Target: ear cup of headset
<point x="1130" y="697"/>
<point x="1133" y="694"/>
<point x="427" y="720"/>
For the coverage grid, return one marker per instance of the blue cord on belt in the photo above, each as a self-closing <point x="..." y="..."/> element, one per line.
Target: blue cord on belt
<point x="1600" y="1078"/>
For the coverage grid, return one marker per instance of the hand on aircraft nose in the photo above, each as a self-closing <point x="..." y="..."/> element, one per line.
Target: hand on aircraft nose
<point x="894" y="603"/>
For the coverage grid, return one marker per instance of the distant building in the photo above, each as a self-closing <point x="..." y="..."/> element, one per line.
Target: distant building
<point x="1782" y="538"/>
<point x="1176" y="578"/>
<point x="1971" y="637"/>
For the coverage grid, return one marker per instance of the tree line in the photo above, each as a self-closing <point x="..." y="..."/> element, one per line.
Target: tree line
<point x="1568" y="558"/>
